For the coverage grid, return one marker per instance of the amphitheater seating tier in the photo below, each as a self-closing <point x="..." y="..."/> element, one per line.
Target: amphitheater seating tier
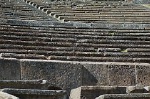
<point x="33" y="31"/>
<point x="94" y="12"/>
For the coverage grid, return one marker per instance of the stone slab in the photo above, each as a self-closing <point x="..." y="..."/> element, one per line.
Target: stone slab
<point x="23" y="84"/>
<point x="124" y="96"/>
<point x="91" y="92"/>
<point x="137" y="89"/>
<point x="36" y="94"/>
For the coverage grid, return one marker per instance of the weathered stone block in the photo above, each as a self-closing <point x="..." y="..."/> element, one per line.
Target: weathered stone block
<point x="36" y="93"/>
<point x="136" y="89"/>
<point x="143" y="75"/>
<point x="9" y="69"/>
<point x="123" y="75"/>
<point x="91" y="92"/>
<point x="23" y="84"/>
<point x="124" y="96"/>
<point x="60" y="74"/>
<point x="111" y="74"/>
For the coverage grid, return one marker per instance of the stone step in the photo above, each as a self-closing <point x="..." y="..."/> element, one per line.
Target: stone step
<point x="68" y="44"/>
<point x="71" y="34"/>
<point x="76" y="39"/>
<point x="81" y="49"/>
<point x="98" y="12"/>
<point x="99" y="59"/>
<point x="109" y="20"/>
<point x="77" y="53"/>
<point x="137" y="89"/>
<point x="23" y="48"/>
<point x="23" y="56"/>
<point x="73" y="29"/>
<point x="36" y="93"/>
<point x="125" y="96"/>
<point x="23" y="84"/>
<point x="91" y="92"/>
<point x="74" y="58"/>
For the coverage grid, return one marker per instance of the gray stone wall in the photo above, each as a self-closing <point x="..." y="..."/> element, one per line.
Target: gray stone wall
<point x="69" y="75"/>
<point x="120" y="75"/>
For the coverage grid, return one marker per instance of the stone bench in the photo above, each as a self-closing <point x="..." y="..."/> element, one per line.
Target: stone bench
<point x="22" y="56"/>
<point x="36" y="94"/>
<point x="138" y="50"/>
<point x="97" y="13"/>
<point x="91" y="52"/>
<point x="91" y="92"/>
<point x="23" y="84"/>
<point x="112" y="45"/>
<point x="104" y="20"/>
<point x="64" y="28"/>
<point x="102" y="59"/>
<point x="48" y="48"/>
<point x="137" y="89"/>
<point x="62" y="44"/>
<point x="125" y="96"/>
<point x="72" y="38"/>
<point x="70" y="55"/>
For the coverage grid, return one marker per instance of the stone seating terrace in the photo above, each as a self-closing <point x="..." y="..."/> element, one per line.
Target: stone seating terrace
<point x="39" y="53"/>
<point x="96" y="12"/>
<point x="72" y="44"/>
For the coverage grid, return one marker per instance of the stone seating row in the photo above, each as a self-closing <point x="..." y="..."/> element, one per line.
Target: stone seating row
<point x="63" y="18"/>
<point x="30" y="89"/>
<point x="21" y="11"/>
<point x="107" y="73"/>
<point x="61" y="43"/>
<point x="36" y="93"/>
<point x="110" y="92"/>
<point x="88" y="92"/>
